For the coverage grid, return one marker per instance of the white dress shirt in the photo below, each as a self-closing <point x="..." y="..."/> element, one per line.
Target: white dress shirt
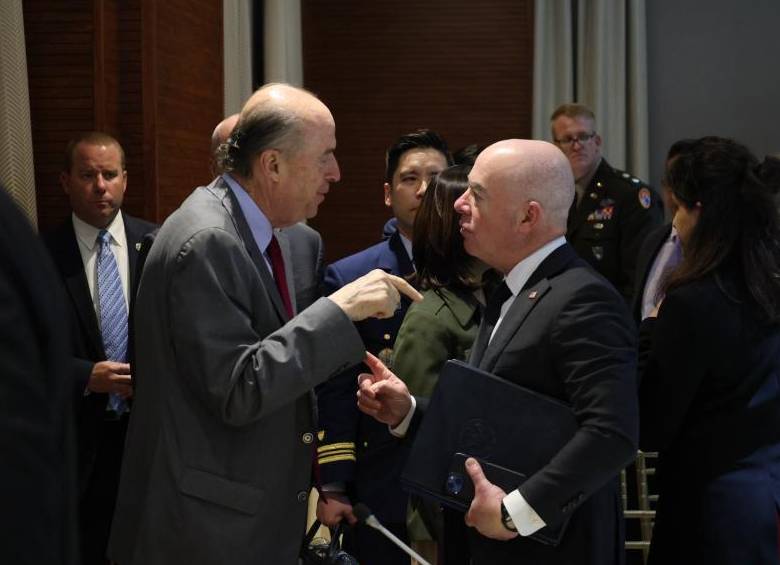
<point x="86" y="236"/>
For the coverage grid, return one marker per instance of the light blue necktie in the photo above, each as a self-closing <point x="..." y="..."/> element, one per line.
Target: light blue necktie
<point x="113" y="311"/>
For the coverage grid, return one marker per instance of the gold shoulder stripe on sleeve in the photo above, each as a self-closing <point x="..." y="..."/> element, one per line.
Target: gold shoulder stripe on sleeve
<point x="336" y="459"/>
<point x="335" y="446"/>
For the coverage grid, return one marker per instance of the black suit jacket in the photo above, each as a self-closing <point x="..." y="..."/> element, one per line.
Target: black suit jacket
<point x="568" y="335"/>
<point x="710" y="404"/>
<point x="37" y="449"/>
<point x="644" y="262"/>
<point x="87" y="344"/>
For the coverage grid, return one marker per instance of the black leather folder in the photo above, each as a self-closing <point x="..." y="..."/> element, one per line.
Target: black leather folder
<point x="511" y="430"/>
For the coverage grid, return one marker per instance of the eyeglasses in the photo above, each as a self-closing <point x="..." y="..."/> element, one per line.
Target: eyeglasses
<point x="582" y="139"/>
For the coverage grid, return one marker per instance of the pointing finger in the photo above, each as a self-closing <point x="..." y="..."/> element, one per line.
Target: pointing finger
<point x="375" y="365"/>
<point x="404" y="287"/>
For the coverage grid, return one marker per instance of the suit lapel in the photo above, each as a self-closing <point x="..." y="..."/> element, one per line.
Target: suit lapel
<point x="68" y="259"/>
<point x="524" y="303"/>
<point x="134" y="234"/>
<point x="588" y="204"/>
<point x="399" y="254"/>
<point x="533" y="292"/>
<point x="230" y="204"/>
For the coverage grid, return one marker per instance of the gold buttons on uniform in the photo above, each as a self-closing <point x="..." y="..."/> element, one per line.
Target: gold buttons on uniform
<point x="307" y="438"/>
<point x="387" y="337"/>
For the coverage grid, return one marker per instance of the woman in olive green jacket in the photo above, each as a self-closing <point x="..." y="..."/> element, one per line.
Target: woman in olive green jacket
<point x="443" y="326"/>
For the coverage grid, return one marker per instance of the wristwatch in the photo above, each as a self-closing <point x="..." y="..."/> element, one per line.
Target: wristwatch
<point x="506" y="519"/>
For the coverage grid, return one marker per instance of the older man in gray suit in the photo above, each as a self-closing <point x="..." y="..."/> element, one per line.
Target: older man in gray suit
<point x="219" y="451"/>
<point x="299" y="242"/>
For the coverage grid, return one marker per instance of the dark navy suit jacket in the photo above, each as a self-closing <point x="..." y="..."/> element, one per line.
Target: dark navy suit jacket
<point x="356" y="449"/>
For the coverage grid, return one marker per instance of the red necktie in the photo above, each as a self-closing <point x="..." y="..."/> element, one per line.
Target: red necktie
<point x="277" y="266"/>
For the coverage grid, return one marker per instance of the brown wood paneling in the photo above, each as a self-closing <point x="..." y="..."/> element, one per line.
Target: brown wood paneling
<point x="60" y="66"/>
<point x="148" y="73"/>
<point x="387" y="68"/>
<point x="188" y="95"/>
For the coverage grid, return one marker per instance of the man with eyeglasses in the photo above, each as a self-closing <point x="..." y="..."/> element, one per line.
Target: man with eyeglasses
<point x="613" y="210"/>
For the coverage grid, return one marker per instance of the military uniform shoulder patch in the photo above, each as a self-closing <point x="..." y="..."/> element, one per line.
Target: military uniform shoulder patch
<point x="645" y="197"/>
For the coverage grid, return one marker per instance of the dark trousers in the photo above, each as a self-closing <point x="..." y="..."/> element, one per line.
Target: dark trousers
<point x="455" y="543"/>
<point x="97" y="503"/>
<point x="370" y="547"/>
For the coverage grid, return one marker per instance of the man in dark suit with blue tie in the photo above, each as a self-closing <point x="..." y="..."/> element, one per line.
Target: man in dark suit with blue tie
<point x="359" y="460"/>
<point x="559" y="329"/>
<point x="95" y="252"/>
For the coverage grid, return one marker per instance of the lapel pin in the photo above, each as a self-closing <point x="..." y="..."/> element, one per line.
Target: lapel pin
<point x="138" y="246"/>
<point x="533" y="294"/>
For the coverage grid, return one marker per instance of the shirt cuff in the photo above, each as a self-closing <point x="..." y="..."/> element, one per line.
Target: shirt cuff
<point x="400" y="430"/>
<point x="526" y="520"/>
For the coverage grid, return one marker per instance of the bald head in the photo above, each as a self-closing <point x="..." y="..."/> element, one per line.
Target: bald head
<point x="284" y="98"/>
<point x="519" y="196"/>
<point x="274" y="117"/>
<point x="532" y="170"/>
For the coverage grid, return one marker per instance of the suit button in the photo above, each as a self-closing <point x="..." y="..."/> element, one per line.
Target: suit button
<point x="307" y="438"/>
<point x="302" y="496"/>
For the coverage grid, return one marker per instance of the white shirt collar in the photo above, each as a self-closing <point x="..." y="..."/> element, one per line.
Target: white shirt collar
<point x="521" y="272"/>
<point x="87" y="233"/>
<point x="407" y="245"/>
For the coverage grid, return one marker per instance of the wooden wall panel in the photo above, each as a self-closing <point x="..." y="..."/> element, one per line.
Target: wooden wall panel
<point x="147" y="72"/>
<point x="387" y="68"/>
<point x="126" y="110"/>
<point x="60" y="66"/>
<point x="188" y="95"/>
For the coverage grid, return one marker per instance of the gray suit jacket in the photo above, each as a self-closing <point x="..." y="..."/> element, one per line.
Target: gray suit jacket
<point x="218" y="458"/>
<point x="303" y="252"/>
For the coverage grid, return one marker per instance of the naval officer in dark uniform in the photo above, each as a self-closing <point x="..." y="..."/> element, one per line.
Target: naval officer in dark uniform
<point x="359" y="460"/>
<point x="613" y="210"/>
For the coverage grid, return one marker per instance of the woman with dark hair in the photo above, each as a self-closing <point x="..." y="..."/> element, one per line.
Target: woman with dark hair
<point x="710" y="363"/>
<point x="443" y="326"/>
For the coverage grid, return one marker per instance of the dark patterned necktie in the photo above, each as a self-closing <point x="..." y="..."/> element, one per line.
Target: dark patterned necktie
<point x="113" y="311"/>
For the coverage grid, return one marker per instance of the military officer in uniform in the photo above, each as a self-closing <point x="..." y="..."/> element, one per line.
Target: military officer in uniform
<point x="359" y="461"/>
<point x="613" y="211"/>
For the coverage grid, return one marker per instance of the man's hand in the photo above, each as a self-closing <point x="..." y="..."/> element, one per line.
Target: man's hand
<point x="336" y="509"/>
<point x="110" y="376"/>
<point x="381" y="394"/>
<point x="375" y="295"/>
<point x="485" y="511"/>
